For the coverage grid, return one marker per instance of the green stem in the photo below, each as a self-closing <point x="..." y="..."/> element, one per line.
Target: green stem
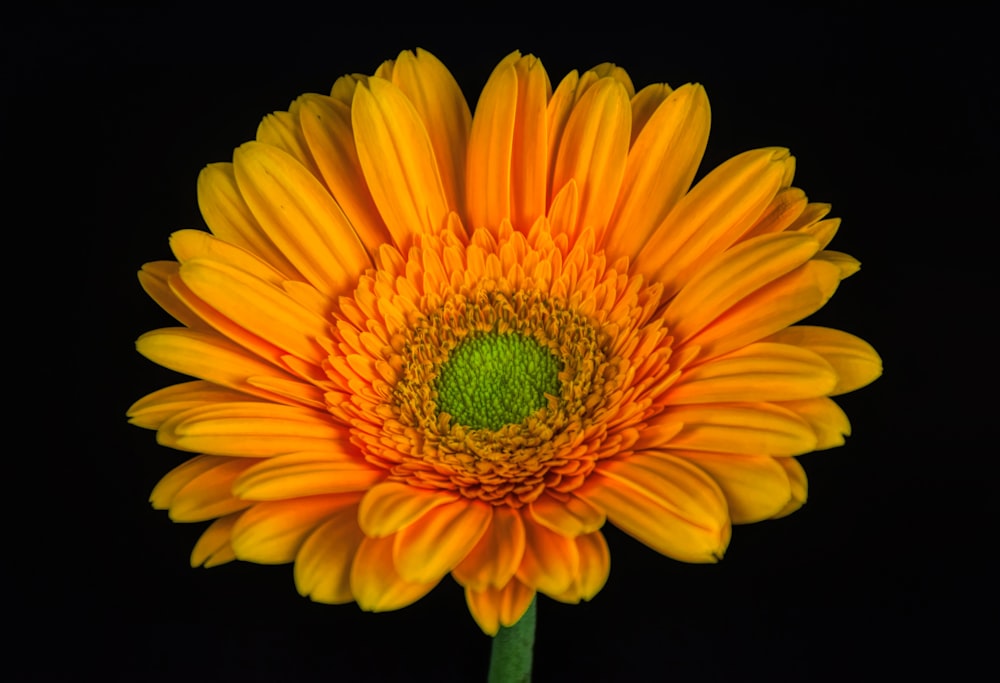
<point x="510" y="658"/>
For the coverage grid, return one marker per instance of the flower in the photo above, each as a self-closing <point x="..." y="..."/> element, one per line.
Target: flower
<point x="431" y="343"/>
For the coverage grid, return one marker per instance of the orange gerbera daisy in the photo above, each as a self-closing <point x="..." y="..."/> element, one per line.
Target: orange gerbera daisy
<point x="432" y="343"/>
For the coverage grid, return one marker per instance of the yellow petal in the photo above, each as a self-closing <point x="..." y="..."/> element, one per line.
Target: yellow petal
<point x="712" y="216"/>
<point x="155" y="280"/>
<point x="798" y="483"/>
<point x="152" y="410"/>
<point x="166" y="489"/>
<point x="497" y="555"/>
<point x="827" y="420"/>
<point x="742" y="428"/>
<point x="756" y="486"/>
<point x="390" y="506"/>
<point x="786" y="207"/>
<point x="556" y="115"/>
<point x="255" y="430"/>
<point x="564" y="213"/>
<point x="326" y="124"/>
<point x="593" y="151"/>
<point x="273" y="532"/>
<point x="274" y="315"/>
<point x="191" y="244"/>
<point x="495" y="607"/>
<point x="229" y="218"/>
<point x="433" y="545"/>
<point x="664" y="502"/>
<point x="592" y="574"/>
<point x="551" y="561"/>
<point x="398" y="161"/>
<point x="376" y="584"/>
<point x="210" y="357"/>
<point x="209" y="494"/>
<point x="732" y="277"/>
<point x="300" y="217"/>
<point x="344" y="87"/>
<point x="645" y="103"/>
<point x="661" y="165"/>
<point x="809" y="223"/>
<point x="488" y="181"/>
<point x="283" y="131"/>
<point x="212" y="319"/>
<point x="323" y="562"/>
<point x="854" y="360"/>
<point x="847" y="264"/>
<point x="774" y="306"/>
<point x="339" y="469"/>
<point x="214" y="547"/>
<point x="572" y="517"/>
<point x="441" y="106"/>
<point x="508" y="148"/>
<point x="757" y="372"/>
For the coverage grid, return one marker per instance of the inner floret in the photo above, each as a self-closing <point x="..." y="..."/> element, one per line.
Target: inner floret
<point x="491" y="380"/>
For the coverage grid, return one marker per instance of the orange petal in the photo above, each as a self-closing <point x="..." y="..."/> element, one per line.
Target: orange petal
<point x="323" y="563"/>
<point x="490" y="151"/>
<point x="847" y="264"/>
<point x="756" y="486"/>
<point x="786" y="207"/>
<point x="173" y="481"/>
<point x="390" y="506"/>
<point x="326" y="123"/>
<point x="433" y="545"/>
<point x="398" y="161"/>
<point x="572" y="517"/>
<point x="441" y="106"/>
<point x="210" y="357"/>
<point x="757" y="372"/>
<point x="283" y="130"/>
<point x="595" y="563"/>
<point x="827" y="420"/>
<point x="783" y="302"/>
<point x="496" y="557"/>
<point x="272" y="532"/>
<point x="712" y="216"/>
<point x="229" y="218"/>
<point x="854" y="360"/>
<point x="274" y="315"/>
<point x="661" y="165"/>
<point x="300" y="217"/>
<point x="551" y="561"/>
<point x="732" y="277"/>
<point x="593" y="151"/>
<point x="742" y="428"/>
<point x="191" y="244"/>
<point x="209" y="494"/>
<point x="376" y="584"/>
<point x="508" y="149"/>
<point x="495" y="607"/>
<point x="255" y="430"/>
<point x="665" y="502"/>
<point x="336" y="470"/>
<point x="214" y="547"/>
<point x="798" y="483"/>
<point x="155" y="280"/>
<point x="152" y="410"/>
<point x="645" y="103"/>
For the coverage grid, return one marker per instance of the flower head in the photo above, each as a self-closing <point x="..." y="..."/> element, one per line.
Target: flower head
<point x="431" y="343"/>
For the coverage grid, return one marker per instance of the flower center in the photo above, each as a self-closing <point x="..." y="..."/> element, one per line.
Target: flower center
<point x="491" y="380"/>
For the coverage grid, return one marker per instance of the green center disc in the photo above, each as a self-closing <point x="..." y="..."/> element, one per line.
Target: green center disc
<point x="494" y="380"/>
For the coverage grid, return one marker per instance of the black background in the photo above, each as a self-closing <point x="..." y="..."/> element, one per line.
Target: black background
<point x="109" y="117"/>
